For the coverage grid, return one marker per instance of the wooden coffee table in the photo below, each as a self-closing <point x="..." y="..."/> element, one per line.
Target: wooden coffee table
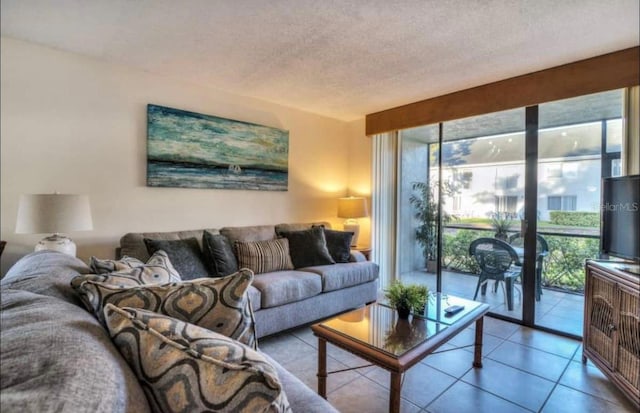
<point x="375" y="334"/>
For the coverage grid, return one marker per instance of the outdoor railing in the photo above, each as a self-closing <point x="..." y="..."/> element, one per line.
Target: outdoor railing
<point x="563" y="267"/>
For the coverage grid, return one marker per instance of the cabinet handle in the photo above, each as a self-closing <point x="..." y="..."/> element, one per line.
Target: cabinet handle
<point x="611" y="327"/>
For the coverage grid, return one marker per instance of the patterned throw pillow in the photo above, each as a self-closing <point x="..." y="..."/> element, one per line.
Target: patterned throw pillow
<point x="264" y="256"/>
<point x="99" y="266"/>
<point x="218" y="253"/>
<point x="185" y="255"/>
<point x="308" y="247"/>
<point x="218" y="304"/>
<point x="158" y="270"/>
<point x="185" y="368"/>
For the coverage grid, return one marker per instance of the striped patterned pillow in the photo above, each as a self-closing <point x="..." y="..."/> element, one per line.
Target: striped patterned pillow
<point x="218" y="304"/>
<point x="185" y="368"/>
<point x="264" y="256"/>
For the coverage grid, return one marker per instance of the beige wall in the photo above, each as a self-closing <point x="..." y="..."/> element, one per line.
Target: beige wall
<point x="78" y="125"/>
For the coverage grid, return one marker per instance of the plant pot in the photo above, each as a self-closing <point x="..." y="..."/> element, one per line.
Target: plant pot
<point x="502" y="236"/>
<point x="432" y="266"/>
<point x="403" y="312"/>
<point x="422" y="312"/>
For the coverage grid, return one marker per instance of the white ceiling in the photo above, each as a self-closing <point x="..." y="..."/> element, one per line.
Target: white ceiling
<point x="342" y="59"/>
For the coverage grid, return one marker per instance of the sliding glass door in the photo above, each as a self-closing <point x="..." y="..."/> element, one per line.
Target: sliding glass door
<point x="526" y="183"/>
<point x="579" y="143"/>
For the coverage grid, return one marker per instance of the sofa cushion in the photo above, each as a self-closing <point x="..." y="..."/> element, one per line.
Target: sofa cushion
<point x="183" y="367"/>
<point x="56" y="357"/>
<point x="255" y="298"/>
<point x="218" y="254"/>
<point x="264" y="256"/>
<point x="282" y="287"/>
<point x="308" y="247"/>
<point x="218" y="304"/>
<point x="185" y="255"/>
<point x="339" y="244"/>
<point x="100" y="266"/>
<point x="158" y="270"/>
<point x="338" y="276"/>
<point x="280" y="228"/>
<point x="132" y="244"/>
<point x="251" y="233"/>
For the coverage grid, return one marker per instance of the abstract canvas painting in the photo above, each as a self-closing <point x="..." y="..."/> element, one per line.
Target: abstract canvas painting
<point x="192" y="150"/>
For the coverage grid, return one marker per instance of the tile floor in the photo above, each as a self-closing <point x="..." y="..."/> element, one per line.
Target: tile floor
<point x="524" y="370"/>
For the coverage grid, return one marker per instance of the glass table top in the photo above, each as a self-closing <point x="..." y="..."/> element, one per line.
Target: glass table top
<point x="378" y="325"/>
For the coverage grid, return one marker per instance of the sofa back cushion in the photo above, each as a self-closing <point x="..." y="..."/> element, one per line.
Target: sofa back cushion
<point x="132" y="244"/>
<point x="301" y="226"/>
<point x="249" y="234"/>
<point x="55" y="356"/>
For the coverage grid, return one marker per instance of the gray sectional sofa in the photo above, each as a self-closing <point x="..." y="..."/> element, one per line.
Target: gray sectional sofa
<point x="57" y="357"/>
<point x="285" y="299"/>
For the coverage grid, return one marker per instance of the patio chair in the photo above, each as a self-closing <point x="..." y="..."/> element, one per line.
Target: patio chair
<point x="496" y="260"/>
<point x="542" y="250"/>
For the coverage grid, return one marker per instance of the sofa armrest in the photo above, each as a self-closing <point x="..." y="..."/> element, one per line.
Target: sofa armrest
<point x="357" y="256"/>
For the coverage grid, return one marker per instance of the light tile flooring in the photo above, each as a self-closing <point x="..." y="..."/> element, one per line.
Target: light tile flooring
<point x="524" y="370"/>
<point x="557" y="310"/>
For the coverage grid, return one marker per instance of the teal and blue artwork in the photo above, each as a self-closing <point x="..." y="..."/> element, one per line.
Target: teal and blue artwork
<point x="192" y="150"/>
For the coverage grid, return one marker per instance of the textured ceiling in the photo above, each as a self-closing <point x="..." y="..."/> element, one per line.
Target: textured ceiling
<point x="342" y="59"/>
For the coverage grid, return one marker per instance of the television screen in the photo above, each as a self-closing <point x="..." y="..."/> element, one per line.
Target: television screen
<point x="620" y="230"/>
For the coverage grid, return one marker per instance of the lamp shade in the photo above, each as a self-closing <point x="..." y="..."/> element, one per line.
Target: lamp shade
<point x="352" y="207"/>
<point x="53" y="213"/>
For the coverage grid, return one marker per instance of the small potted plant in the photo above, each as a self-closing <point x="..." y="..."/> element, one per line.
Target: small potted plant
<point x="405" y="298"/>
<point x="501" y="223"/>
<point x="422" y="291"/>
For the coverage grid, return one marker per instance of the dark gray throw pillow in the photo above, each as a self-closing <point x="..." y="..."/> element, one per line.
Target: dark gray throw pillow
<point x="218" y="254"/>
<point x="308" y="247"/>
<point x="339" y="244"/>
<point x="184" y="254"/>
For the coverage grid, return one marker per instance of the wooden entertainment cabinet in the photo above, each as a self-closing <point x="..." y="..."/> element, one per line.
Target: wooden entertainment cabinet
<point x="612" y="324"/>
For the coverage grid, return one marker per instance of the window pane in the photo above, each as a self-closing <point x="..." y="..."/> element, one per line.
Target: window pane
<point x="484" y="158"/>
<point x="572" y="135"/>
<point x="614" y="135"/>
<point x="554" y="203"/>
<point x="569" y="203"/>
<point x="418" y="166"/>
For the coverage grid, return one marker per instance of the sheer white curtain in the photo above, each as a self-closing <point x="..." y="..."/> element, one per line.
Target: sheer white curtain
<point x="384" y="203"/>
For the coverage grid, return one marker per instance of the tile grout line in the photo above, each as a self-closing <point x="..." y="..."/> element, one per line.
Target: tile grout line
<point x="557" y="383"/>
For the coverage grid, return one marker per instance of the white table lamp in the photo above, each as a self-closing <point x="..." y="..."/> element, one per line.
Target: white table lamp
<point x="352" y="208"/>
<point x="54" y="213"/>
